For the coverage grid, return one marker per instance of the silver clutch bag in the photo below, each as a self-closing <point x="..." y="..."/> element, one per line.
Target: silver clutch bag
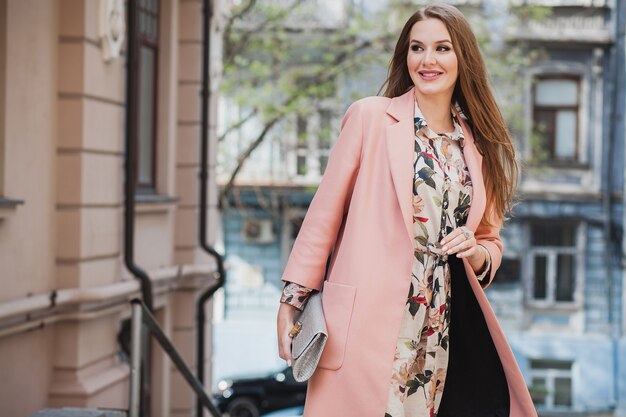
<point x="308" y="344"/>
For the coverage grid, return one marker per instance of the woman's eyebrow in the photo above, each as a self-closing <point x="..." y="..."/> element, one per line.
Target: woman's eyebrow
<point x="441" y="41"/>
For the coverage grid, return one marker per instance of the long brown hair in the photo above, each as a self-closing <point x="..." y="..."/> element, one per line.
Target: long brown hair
<point x="473" y="94"/>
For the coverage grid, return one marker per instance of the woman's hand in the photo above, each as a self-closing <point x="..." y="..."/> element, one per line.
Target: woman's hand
<point x="285" y="321"/>
<point x="462" y="242"/>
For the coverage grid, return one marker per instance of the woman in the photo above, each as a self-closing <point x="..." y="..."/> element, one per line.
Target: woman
<point x="411" y="206"/>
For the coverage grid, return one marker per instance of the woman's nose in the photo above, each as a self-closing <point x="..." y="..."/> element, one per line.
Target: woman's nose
<point x="429" y="57"/>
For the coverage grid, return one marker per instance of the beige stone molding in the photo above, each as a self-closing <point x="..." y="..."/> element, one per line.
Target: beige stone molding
<point x="83" y="388"/>
<point x="111" y="28"/>
<point x="84" y="303"/>
<point x="8" y="206"/>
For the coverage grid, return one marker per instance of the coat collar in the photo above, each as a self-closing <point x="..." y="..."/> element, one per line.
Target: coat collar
<point x="400" y="138"/>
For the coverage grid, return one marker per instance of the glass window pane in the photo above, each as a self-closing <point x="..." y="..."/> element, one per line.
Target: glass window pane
<point x="301" y="168"/>
<point x="324" y="133"/>
<point x="323" y="163"/>
<point x="550" y="364"/>
<point x="565" y="134"/>
<point x="149" y="24"/>
<point x="509" y="271"/>
<point x="539" y="289"/>
<point x="151" y="5"/>
<point x="538" y="391"/>
<point x="556" y="93"/>
<point x="153" y="28"/>
<point x="301" y="126"/>
<point x="296" y="223"/>
<point x="143" y="22"/>
<point x="565" y="277"/>
<point x="545" y="234"/>
<point x="543" y="131"/>
<point x="563" y="391"/>
<point x="146" y="115"/>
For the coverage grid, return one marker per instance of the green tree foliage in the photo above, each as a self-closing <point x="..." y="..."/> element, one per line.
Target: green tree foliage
<point x="281" y="57"/>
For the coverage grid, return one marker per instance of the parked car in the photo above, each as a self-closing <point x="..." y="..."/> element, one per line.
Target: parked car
<point x="254" y="395"/>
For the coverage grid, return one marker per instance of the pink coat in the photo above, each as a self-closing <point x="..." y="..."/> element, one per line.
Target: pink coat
<point x="363" y="207"/>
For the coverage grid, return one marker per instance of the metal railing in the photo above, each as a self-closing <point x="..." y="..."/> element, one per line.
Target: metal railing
<point x="142" y="319"/>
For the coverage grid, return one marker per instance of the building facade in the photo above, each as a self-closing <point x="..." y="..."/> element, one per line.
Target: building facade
<point x="63" y="112"/>
<point x="559" y="293"/>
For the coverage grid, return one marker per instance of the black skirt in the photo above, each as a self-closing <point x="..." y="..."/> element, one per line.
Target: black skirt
<point x="475" y="384"/>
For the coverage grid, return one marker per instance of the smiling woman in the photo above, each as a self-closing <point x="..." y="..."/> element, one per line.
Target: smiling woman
<point x="410" y="208"/>
<point x="433" y="67"/>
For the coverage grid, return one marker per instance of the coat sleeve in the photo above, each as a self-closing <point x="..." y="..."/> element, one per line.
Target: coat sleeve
<point x="307" y="262"/>
<point x="489" y="237"/>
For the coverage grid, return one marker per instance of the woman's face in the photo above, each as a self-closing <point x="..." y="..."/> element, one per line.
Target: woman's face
<point x="431" y="59"/>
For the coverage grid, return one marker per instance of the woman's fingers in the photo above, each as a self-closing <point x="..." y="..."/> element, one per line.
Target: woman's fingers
<point x="284" y="324"/>
<point x="460" y="245"/>
<point x="457" y="241"/>
<point x="286" y="349"/>
<point x="467" y="253"/>
<point x="454" y="234"/>
<point x="284" y="342"/>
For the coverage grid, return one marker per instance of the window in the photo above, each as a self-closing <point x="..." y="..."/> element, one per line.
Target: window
<point x="551" y="384"/>
<point x="508" y="272"/>
<point x="292" y="221"/>
<point x="3" y="74"/>
<point x="296" y="223"/>
<point x="7" y="205"/>
<point x="147" y="57"/>
<point x="313" y="144"/>
<point x="555" y="119"/>
<point x="324" y="135"/>
<point x="302" y="147"/>
<point x="555" y="262"/>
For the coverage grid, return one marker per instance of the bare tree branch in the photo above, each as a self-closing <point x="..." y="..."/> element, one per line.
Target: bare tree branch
<point x="231" y="20"/>
<point x="336" y="68"/>
<point x="237" y="125"/>
<point x="269" y="24"/>
<point x="244" y="156"/>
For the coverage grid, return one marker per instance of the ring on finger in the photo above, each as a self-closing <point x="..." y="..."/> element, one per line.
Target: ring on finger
<point x="295" y="330"/>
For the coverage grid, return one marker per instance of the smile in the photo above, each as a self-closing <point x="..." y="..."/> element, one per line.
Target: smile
<point x="430" y="75"/>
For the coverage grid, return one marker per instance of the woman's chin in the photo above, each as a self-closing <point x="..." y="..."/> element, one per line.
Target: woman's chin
<point x="432" y="90"/>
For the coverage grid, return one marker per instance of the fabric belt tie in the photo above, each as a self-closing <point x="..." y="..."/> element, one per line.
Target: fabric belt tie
<point x="433" y="249"/>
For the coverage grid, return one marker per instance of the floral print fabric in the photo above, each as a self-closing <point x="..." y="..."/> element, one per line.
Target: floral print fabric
<point x="295" y="295"/>
<point x="442" y="191"/>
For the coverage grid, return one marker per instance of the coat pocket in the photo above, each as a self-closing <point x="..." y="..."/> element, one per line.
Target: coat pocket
<point x="338" y="303"/>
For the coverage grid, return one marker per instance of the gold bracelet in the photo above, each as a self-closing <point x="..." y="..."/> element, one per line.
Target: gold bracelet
<point x="486" y="252"/>
<point x="487" y="255"/>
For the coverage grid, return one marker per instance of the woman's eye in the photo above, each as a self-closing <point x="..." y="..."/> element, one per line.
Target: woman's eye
<point x="415" y="48"/>
<point x="443" y="48"/>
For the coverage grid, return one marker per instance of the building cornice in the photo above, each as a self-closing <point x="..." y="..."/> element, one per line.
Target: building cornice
<point x="75" y="304"/>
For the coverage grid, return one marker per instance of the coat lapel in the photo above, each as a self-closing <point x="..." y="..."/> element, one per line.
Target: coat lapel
<point x="400" y="142"/>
